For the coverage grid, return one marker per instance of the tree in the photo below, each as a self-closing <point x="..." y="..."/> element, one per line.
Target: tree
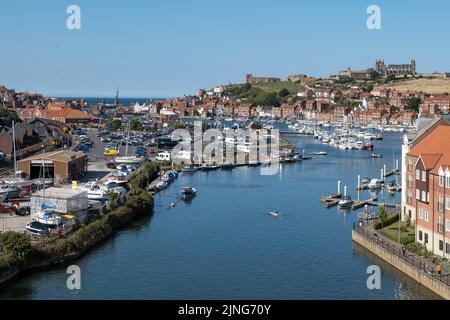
<point x="374" y="75"/>
<point x="271" y="100"/>
<point x="116" y="125"/>
<point x="135" y="125"/>
<point x="283" y="92"/>
<point x="382" y="215"/>
<point x="414" y="104"/>
<point x="7" y="116"/>
<point x="390" y="78"/>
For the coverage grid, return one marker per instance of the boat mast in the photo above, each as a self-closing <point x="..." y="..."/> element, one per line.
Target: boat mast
<point x="128" y="139"/>
<point x="14" y="149"/>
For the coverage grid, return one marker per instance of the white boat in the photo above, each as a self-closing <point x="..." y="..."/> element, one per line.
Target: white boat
<point x="129" y="160"/>
<point x="345" y="202"/>
<point x="320" y="153"/>
<point x="48" y="217"/>
<point x="95" y="191"/>
<point x="161" y="185"/>
<point x="274" y="213"/>
<point x="375" y="184"/>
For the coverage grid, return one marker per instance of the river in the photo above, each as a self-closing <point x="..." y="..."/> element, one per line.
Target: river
<point x="224" y="245"/>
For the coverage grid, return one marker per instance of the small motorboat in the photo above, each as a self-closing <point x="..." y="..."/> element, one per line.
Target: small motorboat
<point x="161" y="185"/>
<point x="188" y="193"/>
<point x="228" y="166"/>
<point x="188" y="169"/>
<point x="274" y="214"/>
<point x="365" y="180"/>
<point x="375" y="184"/>
<point x="377" y="155"/>
<point x="320" y="153"/>
<point x="345" y="202"/>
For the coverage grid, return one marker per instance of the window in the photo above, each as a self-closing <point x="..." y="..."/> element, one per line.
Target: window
<point x="426" y="216"/>
<point x="417" y="194"/>
<point x="447" y="182"/>
<point x="410" y="180"/>
<point x="421" y="214"/>
<point x="441" y="181"/>
<point x="417" y="174"/>
<point x="424" y="196"/>
<point x="424" y="176"/>
<point x="409" y="198"/>
<point x="426" y="238"/>
<point x="441" y="203"/>
<point x="441" y="245"/>
<point x="447" y="224"/>
<point x="420" y="236"/>
<point x="410" y="164"/>
<point x="447" y="203"/>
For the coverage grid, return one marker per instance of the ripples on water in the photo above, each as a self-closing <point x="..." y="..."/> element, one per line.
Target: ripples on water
<point x="224" y="245"/>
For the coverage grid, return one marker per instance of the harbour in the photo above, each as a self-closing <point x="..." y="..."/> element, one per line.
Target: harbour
<point x="223" y="244"/>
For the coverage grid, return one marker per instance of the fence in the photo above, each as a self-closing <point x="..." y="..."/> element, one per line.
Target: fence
<point x="398" y="251"/>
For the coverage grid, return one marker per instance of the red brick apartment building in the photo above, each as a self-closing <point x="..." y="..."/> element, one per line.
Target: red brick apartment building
<point x="426" y="199"/>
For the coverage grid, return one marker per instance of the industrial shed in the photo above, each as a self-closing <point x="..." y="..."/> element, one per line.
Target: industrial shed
<point x="62" y="166"/>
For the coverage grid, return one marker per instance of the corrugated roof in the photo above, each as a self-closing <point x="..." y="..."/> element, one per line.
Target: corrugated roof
<point x="61" y="156"/>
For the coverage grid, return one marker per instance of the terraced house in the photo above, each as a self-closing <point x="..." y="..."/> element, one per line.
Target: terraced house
<point x="426" y="199"/>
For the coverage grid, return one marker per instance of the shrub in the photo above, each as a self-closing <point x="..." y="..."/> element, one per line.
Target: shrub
<point x="387" y="222"/>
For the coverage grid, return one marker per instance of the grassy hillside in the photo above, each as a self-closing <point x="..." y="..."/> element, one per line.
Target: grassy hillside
<point x="431" y="86"/>
<point x="269" y="94"/>
<point x="292" y="87"/>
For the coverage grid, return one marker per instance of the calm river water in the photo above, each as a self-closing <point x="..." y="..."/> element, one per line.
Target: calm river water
<point x="224" y="245"/>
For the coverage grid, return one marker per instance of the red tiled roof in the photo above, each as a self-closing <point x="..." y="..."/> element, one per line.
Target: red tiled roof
<point x="434" y="149"/>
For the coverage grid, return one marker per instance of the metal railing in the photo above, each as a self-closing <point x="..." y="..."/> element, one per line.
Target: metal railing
<point x="406" y="256"/>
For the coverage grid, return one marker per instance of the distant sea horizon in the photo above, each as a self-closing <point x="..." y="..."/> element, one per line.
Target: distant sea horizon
<point x="127" y="101"/>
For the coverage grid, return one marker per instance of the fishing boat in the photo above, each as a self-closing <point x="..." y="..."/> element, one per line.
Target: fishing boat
<point x="345" y="202"/>
<point x="188" y="193"/>
<point x="320" y="153"/>
<point x="48" y="216"/>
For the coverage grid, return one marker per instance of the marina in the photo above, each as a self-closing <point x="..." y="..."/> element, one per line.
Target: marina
<point x="239" y="213"/>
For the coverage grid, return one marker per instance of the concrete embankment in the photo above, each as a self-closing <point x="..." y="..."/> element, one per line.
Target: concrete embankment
<point x="424" y="278"/>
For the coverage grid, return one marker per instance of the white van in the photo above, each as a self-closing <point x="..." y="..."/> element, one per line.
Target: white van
<point x="163" y="156"/>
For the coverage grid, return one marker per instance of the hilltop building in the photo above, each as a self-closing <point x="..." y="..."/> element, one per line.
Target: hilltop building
<point x="398" y="70"/>
<point x="250" y="79"/>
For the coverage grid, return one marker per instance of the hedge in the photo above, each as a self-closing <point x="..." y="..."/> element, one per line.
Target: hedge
<point x="389" y="220"/>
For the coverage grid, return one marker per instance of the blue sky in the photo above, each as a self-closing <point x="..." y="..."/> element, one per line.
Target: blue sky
<point x="174" y="47"/>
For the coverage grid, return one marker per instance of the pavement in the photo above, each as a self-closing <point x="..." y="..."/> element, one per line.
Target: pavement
<point x="13" y="223"/>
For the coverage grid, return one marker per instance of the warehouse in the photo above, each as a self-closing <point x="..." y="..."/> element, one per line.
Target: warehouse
<point x="61" y="166"/>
